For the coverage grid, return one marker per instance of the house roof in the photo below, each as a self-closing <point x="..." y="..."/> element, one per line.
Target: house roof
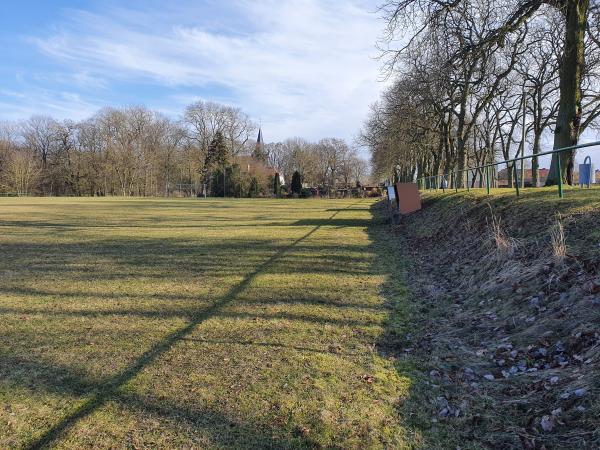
<point x="528" y="173"/>
<point x="253" y="165"/>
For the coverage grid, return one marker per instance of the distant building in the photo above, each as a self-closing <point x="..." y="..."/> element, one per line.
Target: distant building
<point x="253" y="166"/>
<point x="257" y="163"/>
<point x="370" y="191"/>
<point x="503" y="176"/>
<point x="259" y="149"/>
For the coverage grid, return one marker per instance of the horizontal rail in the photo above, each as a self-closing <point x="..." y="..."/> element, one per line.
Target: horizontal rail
<point x="487" y="167"/>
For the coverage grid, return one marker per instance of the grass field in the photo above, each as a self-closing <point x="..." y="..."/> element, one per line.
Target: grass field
<point x="186" y="323"/>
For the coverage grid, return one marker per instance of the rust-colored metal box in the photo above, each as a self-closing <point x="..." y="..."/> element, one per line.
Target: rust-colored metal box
<point x="408" y="197"/>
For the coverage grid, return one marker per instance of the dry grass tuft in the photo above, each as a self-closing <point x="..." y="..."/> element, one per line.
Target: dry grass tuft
<point x="503" y="246"/>
<point x="557" y="237"/>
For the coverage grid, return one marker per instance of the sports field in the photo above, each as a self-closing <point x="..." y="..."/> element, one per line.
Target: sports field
<point x="192" y="323"/>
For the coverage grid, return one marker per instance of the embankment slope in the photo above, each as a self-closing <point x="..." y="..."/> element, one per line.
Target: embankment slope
<point x="506" y="329"/>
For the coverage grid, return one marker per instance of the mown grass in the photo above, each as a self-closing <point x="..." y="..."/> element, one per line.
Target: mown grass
<point x="185" y="323"/>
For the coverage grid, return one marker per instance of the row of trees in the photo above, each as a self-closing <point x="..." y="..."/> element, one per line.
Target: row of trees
<point x="329" y="164"/>
<point x="136" y="151"/>
<point x="476" y="77"/>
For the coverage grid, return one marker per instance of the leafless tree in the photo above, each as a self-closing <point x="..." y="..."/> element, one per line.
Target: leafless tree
<point x="418" y="18"/>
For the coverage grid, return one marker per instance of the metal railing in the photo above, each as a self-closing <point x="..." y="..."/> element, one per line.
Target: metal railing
<point x="440" y="181"/>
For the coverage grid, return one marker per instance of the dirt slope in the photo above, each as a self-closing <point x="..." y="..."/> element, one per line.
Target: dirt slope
<point x="507" y="294"/>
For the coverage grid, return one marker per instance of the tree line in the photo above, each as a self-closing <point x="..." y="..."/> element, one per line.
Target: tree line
<point x="135" y="151"/>
<point x="478" y="81"/>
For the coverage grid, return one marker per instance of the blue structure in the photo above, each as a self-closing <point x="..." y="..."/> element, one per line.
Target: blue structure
<point x="586" y="172"/>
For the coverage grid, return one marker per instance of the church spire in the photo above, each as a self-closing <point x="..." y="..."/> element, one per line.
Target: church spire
<point x="259" y="149"/>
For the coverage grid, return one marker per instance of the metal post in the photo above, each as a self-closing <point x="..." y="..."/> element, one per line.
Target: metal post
<point x="487" y="179"/>
<point x="467" y="176"/>
<point x="523" y="141"/>
<point x="456" y="180"/>
<point x="559" y="170"/>
<point x="516" y="179"/>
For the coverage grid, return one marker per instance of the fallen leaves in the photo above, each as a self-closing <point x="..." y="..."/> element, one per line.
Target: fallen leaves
<point x="367" y="379"/>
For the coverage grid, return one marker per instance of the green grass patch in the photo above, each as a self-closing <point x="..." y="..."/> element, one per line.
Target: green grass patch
<point x="185" y="323"/>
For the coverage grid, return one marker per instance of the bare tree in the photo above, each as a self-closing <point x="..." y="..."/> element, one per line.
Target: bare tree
<point x="507" y="17"/>
<point x="205" y="119"/>
<point x="22" y="171"/>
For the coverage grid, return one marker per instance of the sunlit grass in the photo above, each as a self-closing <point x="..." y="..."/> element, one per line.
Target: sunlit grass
<point x="131" y="323"/>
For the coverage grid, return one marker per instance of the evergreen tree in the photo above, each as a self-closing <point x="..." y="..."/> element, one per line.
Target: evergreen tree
<point x="276" y="185"/>
<point x="296" y="183"/>
<point x="216" y="158"/>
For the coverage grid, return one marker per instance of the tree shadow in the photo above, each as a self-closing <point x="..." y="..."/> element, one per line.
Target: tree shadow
<point x="222" y="429"/>
<point x="118" y="258"/>
<point x="333" y="223"/>
<point x="110" y="388"/>
<point x="401" y="311"/>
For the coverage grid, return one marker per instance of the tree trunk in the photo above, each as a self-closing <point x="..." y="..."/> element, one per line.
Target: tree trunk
<point x="535" y="165"/>
<point x="461" y="155"/>
<point x="566" y="132"/>
<point x="436" y="171"/>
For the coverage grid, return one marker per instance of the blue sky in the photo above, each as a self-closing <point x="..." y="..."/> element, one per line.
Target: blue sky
<point x="301" y="67"/>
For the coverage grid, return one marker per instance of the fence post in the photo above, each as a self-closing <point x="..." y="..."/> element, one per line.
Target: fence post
<point x="487" y="179"/>
<point x="559" y="170"/>
<point x="516" y="177"/>
<point x="456" y="180"/>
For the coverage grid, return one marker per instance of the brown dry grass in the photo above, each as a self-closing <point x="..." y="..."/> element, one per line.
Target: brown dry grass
<point x="524" y="293"/>
<point x="557" y="238"/>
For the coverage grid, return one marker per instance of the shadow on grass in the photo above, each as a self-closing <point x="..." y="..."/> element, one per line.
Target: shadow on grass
<point x="122" y="257"/>
<point x="223" y="430"/>
<point x="192" y="315"/>
<point x="400" y="318"/>
<point x="332" y="351"/>
<point x="333" y="223"/>
<point x="111" y="388"/>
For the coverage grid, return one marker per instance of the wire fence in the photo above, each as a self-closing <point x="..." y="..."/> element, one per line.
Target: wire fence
<point x="488" y="173"/>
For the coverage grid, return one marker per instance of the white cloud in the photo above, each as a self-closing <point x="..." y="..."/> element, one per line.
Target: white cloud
<point x="34" y="101"/>
<point x="304" y="67"/>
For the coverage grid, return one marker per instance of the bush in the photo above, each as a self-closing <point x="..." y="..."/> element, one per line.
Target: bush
<point x="306" y="193"/>
<point x="296" y="183"/>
